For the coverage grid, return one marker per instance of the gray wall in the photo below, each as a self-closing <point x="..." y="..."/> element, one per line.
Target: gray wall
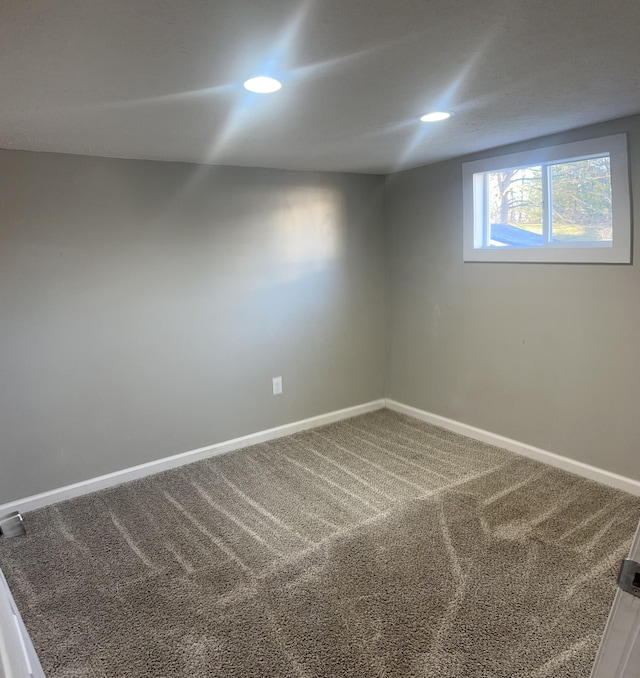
<point x="145" y="306"/>
<point x="548" y="354"/>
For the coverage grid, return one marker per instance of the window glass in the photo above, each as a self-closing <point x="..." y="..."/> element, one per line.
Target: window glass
<point x="515" y="200"/>
<point x="581" y="192"/>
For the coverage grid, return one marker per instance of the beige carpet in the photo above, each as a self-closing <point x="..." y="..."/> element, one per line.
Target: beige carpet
<point x="377" y="546"/>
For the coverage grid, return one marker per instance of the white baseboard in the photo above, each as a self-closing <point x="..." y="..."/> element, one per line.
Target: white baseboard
<point x="93" y="484"/>
<point x="577" y="467"/>
<point x="100" y="483"/>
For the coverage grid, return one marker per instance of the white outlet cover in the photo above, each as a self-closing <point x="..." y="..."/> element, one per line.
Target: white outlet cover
<point x="277" y="385"/>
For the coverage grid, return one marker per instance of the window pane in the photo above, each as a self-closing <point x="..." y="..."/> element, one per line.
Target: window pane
<point x="515" y="203"/>
<point x="582" y="201"/>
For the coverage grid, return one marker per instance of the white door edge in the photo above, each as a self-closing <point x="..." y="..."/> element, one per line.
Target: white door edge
<point x="619" y="652"/>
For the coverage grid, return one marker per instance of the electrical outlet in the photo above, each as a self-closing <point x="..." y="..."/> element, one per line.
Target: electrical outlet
<point x="277" y="386"/>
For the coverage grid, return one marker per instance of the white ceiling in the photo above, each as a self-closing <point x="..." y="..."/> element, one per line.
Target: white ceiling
<point x="162" y="79"/>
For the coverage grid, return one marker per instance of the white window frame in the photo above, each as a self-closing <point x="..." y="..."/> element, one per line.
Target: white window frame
<point x="616" y="252"/>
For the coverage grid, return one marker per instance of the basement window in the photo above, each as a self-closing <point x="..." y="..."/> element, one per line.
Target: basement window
<point x="567" y="203"/>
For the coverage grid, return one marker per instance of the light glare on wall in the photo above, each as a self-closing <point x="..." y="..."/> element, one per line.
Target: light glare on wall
<point x="308" y="234"/>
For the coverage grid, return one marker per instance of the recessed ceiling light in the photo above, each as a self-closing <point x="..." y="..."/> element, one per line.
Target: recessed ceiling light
<point x="436" y="116"/>
<point x="262" y="85"/>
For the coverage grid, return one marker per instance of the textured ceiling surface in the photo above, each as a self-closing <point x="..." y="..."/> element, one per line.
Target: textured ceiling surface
<point x="162" y="79"/>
